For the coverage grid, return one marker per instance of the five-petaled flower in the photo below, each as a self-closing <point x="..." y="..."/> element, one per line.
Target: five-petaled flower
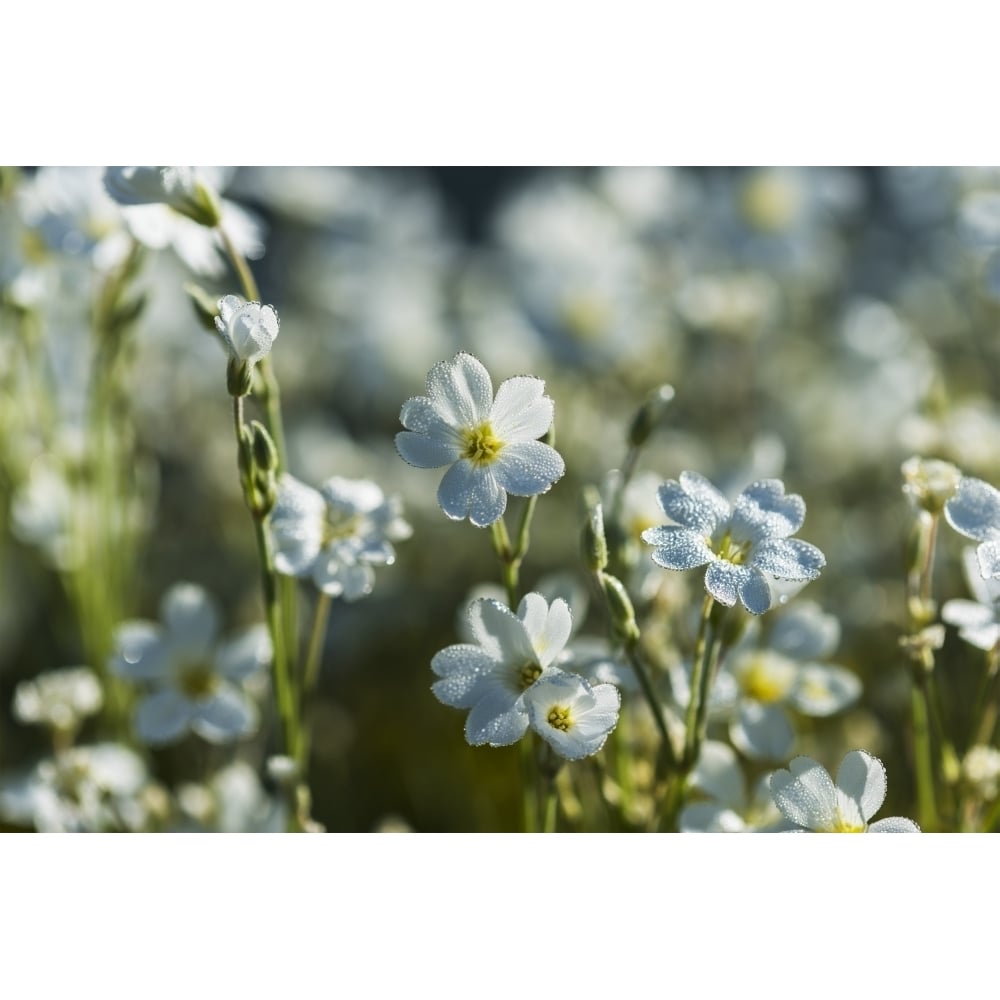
<point x="807" y="796"/>
<point x="335" y="534"/>
<point x="974" y="511"/>
<point x="572" y="716"/>
<point x="742" y="544"/>
<point x="490" y="444"/>
<point x="195" y="683"/>
<point x="491" y="676"/>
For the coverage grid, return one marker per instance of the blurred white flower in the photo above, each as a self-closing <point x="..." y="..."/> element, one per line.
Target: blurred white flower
<point x="510" y="654"/>
<point x="490" y="444"/>
<point x="179" y="207"/>
<point x="974" y="511"/>
<point x="978" y="621"/>
<point x="572" y="716"/>
<point x="232" y="801"/>
<point x="335" y="534"/>
<point x="741" y="543"/>
<point x="247" y="329"/>
<point x="807" y="796"/>
<point x="59" y="699"/>
<point x="196" y="683"/>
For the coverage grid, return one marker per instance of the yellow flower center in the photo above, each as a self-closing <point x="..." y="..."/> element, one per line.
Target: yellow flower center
<point x="480" y="445"/>
<point x="340" y="524"/>
<point x="198" y="680"/>
<point x="560" y="718"/>
<point x="842" y="825"/>
<point x="731" y="550"/>
<point x="527" y="674"/>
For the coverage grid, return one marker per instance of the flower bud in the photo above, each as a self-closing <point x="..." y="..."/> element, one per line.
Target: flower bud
<point x="929" y="483"/>
<point x="595" y="546"/>
<point x="265" y="455"/>
<point x="620" y="607"/>
<point x="649" y="415"/>
<point x="239" y="377"/>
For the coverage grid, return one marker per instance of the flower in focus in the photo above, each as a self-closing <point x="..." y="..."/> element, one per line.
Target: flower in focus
<point x="742" y="544"/>
<point x="195" y="682"/>
<point x="489" y="443"/>
<point x="248" y="329"/>
<point x="978" y="621"/>
<point x="59" y="699"/>
<point x="974" y="511"/>
<point x="572" y="716"/>
<point x="807" y="796"/>
<point x="335" y="534"/>
<point x="492" y="675"/>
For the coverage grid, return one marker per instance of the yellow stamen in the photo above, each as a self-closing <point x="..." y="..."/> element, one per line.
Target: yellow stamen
<point x="480" y="445"/>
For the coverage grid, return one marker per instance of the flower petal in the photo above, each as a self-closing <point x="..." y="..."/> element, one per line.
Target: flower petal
<point x="521" y="412"/>
<point x="419" y="414"/>
<point x="763" y="510"/>
<point x="162" y="717"/>
<point x="224" y="717"/>
<point x="755" y="593"/>
<point x="974" y="510"/>
<point x="806" y="632"/>
<point x="527" y="468"/>
<point x="693" y="502"/>
<point x="718" y="774"/>
<point x="191" y="618"/>
<point x="823" y="689"/>
<point x="678" y="548"/>
<point x="246" y="654"/>
<point x="862" y="777"/>
<point x="495" y="624"/>
<point x="140" y="652"/>
<point x="788" y="559"/>
<point x="468" y="491"/>
<point x="723" y="581"/>
<point x="894" y="824"/>
<point x="988" y="555"/>
<point x="496" y="718"/>
<point x="762" y="732"/>
<point x="805" y="794"/>
<point x="461" y="390"/>
<point x="296" y="524"/>
<point x="425" y="452"/>
<point x="460" y="667"/>
<point x="552" y="639"/>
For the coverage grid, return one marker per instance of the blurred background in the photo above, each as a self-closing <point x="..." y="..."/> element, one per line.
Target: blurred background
<point x="819" y="325"/>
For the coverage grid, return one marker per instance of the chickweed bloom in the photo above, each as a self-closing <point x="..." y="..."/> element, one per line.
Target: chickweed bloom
<point x="573" y="717"/>
<point x="974" y="511"/>
<point x="180" y="188"/>
<point x="491" y="676"/>
<point x="807" y="796"/>
<point x="489" y="443"/>
<point x="247" y="329"/>
<point x="742" y="544"/>
<point x="195" y="683"/>
<point x="59" y="699"/>
<point x="335" y="535"/>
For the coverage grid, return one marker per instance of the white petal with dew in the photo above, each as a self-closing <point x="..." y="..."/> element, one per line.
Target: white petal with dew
<point x="862" y="777"/>
<point x="461" y="390"/>
<point x="723" y="579"/>
<point x="426" y="452"/>
<point x="788" y="559"/>
<point x="460" y="667"/>
<point x="521" y="412"/>
<point x="528" y="468"/>
<point x="763" y="510"/>
<point x="140" y="652"/>
<point x="677" y="547"/>
<point x="762" y="732"/>
<point x="974" y="510"/>
<point x="693" y="502"/>
<point x="824" y="689"/>
<point x="755" y="593"/>
<point x="296" y="524"/>
<point x="894" y="824"/>
<point x="805" y="794"/>
<point x="505" y="629"/>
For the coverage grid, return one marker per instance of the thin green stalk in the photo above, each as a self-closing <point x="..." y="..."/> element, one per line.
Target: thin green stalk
<point x="635" y="660"/>
<point x="923" y="756"/>
<point x="529" y="785"/>
<point x="702" y="655"/>
<point x="551" y="808"/>
<point x="321" y="615"/>
<point x="509" y="567"/>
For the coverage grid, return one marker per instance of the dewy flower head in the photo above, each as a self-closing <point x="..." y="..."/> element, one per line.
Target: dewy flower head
<point x="978" y="621"/>
<point x="490" y="444"/>
<point x="930" y="483"/>
<point x="741" y="543"/>
<point x="60" y="699"/>
<point x="974" y="511"/>
<point x="196" y="683"/>
<point x="248" y="329"/>
<point x="335" y="534"/>
<point x="510" y="654"/>
<point x="570" y="715"/>
<point x="807" y="796"/>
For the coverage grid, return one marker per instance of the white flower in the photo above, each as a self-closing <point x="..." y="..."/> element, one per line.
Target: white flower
<point x="489" y="443"/>
<point x="197" y="684"/>
<point x="335" y="534"/>
<point x="741" y="543"/>
<point x="978" y="621"/>
<point x="232" y="801"/>
<point x="60" y="699"/>
<point x="974" y="511"/>
<point x="807" y="796"/>
<point x="572" y="716"/>
<point x="510" y="654"/>
<point x="248" y="329"/>
<point x="179" y="207"/>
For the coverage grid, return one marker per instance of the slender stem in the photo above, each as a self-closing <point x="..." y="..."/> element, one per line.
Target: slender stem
<point x="320" y="617"/>
<point x="240" y="265"/>
<point x="551" y="808"/>
<point x="635" y="660"/>
<point x="923" y="758"/>
<point x="529" y="777"/>
<point x="702" y="653"/>
<point x="509" y="567"/>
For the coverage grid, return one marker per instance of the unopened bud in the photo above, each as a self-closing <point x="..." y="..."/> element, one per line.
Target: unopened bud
<point x="265" y="455"/>
<point x="620" y="607"/>
<point x="595" y="545"/>
<point x="649" y="415"/>
<point x="239" y="377"/>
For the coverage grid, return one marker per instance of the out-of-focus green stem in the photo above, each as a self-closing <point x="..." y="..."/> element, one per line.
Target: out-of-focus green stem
<point x="321" y="615"/>
<point x="529" y="785"/>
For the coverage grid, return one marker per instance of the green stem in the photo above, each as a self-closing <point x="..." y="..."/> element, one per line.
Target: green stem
<point x="529" y="789"/>
<point x="923" y="758"/>
<point x="551" y="808"/>
<point x="317" y="634"/>
<point x="635" y="660"/>
<point x="702" y="654"/>
<point x="509" y="566"/>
